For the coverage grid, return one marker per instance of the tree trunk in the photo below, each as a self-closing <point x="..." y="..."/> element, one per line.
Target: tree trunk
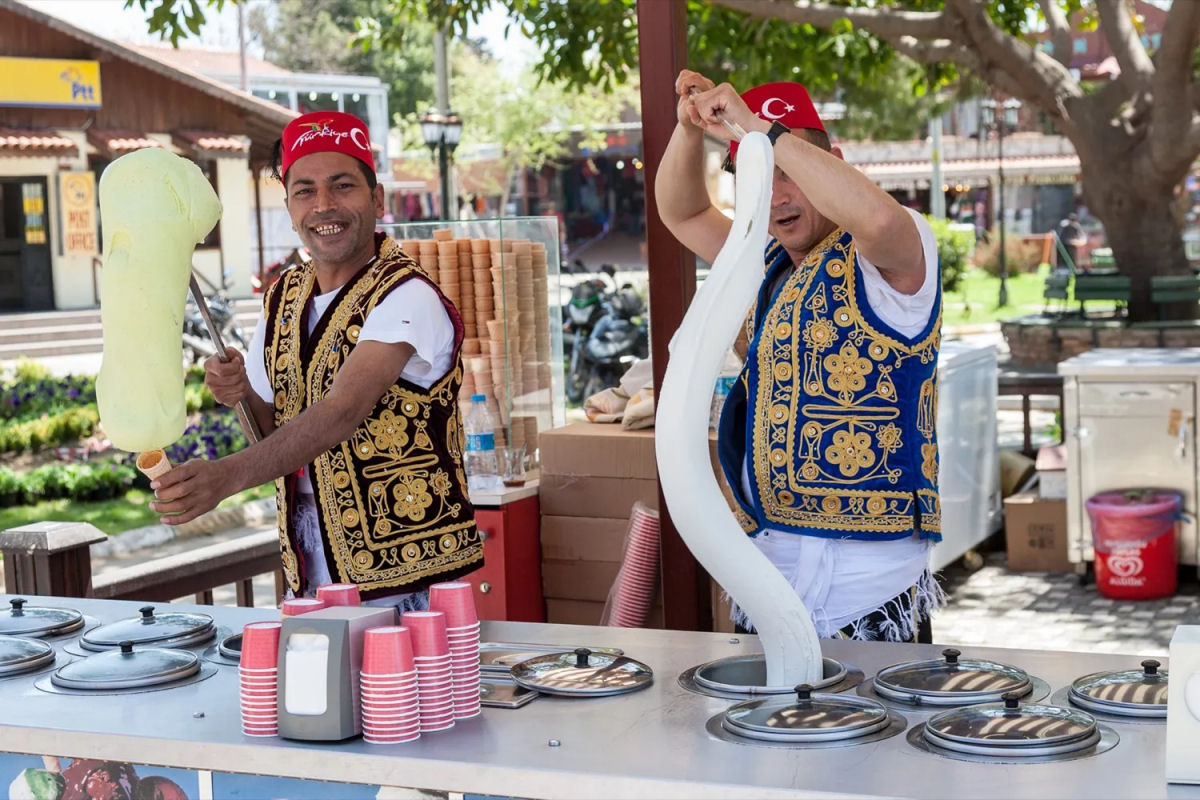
<point x="1145" y="236"/>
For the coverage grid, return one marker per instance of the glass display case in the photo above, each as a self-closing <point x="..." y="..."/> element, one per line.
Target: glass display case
<point x="503" y="276"/>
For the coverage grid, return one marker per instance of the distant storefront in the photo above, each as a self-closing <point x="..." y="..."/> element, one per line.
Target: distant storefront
<point x="70" y="103"/>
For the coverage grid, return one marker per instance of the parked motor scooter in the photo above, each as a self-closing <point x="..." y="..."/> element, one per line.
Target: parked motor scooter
<point x="580" y="315"/>
<point x="197" y="344"/>
<point x="619" y="337"/>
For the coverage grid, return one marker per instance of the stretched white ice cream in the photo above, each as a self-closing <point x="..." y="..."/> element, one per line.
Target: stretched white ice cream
<point x="791" y="648"/>
<point x="155" y="207"/>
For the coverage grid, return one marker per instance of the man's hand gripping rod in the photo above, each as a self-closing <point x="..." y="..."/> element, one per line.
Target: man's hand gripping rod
<point x="737" y="130"/>
<point x="244" y="414"/>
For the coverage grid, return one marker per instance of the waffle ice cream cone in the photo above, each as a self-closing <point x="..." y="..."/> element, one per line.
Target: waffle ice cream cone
<point x="153" y="463"/>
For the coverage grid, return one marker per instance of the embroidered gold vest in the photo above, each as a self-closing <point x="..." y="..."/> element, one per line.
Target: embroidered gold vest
<point x="392" y="500"/>
<point x="835" y="410"/>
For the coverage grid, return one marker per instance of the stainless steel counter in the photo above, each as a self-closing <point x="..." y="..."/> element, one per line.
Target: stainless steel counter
<point x="649" y="744"/>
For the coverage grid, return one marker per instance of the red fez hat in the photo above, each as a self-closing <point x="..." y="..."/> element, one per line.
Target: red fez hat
<point x="326" y="131"/>
<point x="784" y="101"/>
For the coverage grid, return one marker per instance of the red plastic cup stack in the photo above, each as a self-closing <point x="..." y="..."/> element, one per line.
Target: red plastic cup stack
<point x="431" y="652"/>
<point x="295" y="606"/>
<point x="457" y="602"/>
<point x="388" y="682"/>
<point x="258" y="675"/>
<point x="339" y="594"/>
<point x="633" y="592"/>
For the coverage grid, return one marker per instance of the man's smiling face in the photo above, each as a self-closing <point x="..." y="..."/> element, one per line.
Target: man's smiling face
<point x="333" y="209"/>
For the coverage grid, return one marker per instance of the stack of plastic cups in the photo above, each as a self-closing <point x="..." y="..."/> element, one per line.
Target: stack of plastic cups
<point x="295" y="606"/>
<point x="259" y="678"/>
<point x="457" y="602"/>
<point x="339" y="594"/>
<point x="633" y="592"/>
<point x="431" y="652"/>
<point x="388" y="681"/>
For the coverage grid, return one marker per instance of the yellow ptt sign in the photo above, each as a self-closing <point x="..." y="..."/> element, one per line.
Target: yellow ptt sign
<point x="50" y="82"/>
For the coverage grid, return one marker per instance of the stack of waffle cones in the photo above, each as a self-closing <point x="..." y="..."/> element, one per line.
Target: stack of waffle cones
<point x="500" y="287"/>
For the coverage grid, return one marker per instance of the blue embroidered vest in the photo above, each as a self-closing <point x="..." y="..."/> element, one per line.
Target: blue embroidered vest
<point x="835" y="409"/>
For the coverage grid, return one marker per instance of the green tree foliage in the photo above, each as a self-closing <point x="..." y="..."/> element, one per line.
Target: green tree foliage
<point x="1137" y="136"/>
<point x="322" y="36"/>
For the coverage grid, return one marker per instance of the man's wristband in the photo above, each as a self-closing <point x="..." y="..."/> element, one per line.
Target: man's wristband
<point x="777" y="129"/>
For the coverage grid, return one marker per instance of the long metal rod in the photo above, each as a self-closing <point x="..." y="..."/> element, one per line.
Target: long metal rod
<point x="244" y="414"/>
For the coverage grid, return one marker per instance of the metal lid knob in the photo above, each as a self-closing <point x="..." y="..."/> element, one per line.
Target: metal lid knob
<point x="1012" y="701"/>
<point x="951" y="655"/>
<point x="804" y="695"/>
<point x="1150" y="666"/>
<point x="18" y="605"/>
<point x="581" y="657"/>
<point x="147" y="614"/>
<point x="126" y="648"/>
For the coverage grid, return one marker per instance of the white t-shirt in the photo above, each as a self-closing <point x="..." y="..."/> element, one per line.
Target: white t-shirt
<point x="907" y="313"/>
<point x="842" y="580"/>
<point x="411" y="313"/>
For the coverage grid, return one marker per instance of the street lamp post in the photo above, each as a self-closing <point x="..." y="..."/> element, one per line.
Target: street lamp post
<point x="441" y="133"/>
<point x="991" y="120"/>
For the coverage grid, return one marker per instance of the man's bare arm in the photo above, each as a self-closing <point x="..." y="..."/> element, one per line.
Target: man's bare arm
<point x="197" y="486"/>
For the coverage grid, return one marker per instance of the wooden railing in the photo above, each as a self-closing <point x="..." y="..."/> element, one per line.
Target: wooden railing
<point x="54" y="558"/>
<point x="197" y="572"/>
<point x="1028" y="385"/>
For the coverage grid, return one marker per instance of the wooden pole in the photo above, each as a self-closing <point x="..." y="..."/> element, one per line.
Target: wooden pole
<point x="662" y="53"/>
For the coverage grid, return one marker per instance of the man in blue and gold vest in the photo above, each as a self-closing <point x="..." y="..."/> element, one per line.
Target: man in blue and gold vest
<point x="353" y="376"/>
<point x="828" y="438"/>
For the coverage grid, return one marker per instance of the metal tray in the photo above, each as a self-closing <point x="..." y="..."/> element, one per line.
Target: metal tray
<point x="498" y="658"/>
<point x="499" y="692"/>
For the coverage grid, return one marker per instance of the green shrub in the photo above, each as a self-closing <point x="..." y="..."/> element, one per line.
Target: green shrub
<point x="48" y="430"/>
<point x="81" y="482"/>
<point x="954" y="250"/>
<point x="29" y="371"/>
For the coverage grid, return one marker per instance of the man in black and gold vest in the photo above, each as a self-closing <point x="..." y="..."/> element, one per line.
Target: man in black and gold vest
<point x="828" y="437"/>
<point x="353" y="376"/>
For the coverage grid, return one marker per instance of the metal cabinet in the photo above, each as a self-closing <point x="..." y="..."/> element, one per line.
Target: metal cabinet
<point x="1129" y="416"/>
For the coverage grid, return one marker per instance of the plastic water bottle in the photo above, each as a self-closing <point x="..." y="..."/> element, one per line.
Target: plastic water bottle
<point x="480" y="458"/>
<point x="729" y="373"/>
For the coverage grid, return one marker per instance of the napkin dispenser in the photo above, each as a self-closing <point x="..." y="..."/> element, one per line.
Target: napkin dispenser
<point x="320" y="654"/>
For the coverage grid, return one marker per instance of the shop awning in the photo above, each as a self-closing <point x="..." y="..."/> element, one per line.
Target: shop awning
<point x="31" y="144"/>
<point x="211" y="143"/>
<point x="1052" y="169"/>
<point x="116" y="143"/>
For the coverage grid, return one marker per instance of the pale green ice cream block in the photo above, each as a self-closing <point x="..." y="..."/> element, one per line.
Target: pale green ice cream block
<point x="155" y="207"/>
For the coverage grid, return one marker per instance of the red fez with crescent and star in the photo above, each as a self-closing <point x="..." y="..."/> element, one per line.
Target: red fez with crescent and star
<point x="784" y="101"/>
<point x="326" y="131"/>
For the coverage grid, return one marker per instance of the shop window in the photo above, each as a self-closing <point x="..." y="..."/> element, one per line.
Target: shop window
<point x="318" y="101"/>
<point x="278" y="96"/>
<point x="209" y="168"/>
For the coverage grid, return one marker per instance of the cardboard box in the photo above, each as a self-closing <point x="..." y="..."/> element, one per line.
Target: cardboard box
<point x="578" y="580"/>
<point x="1035" y="532"/>
<point x="589" y="448"/>
<point x="1052" y="471"/>
<point x="607" y="451"/>
<point x="583" y="538"/>
<point x="594" y="495"/>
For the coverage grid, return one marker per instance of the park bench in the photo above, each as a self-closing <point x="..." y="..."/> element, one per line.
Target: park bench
<point x="1168" y="289"/>
<point x="1056" y="288"/>
<point x="1115" y="288"/>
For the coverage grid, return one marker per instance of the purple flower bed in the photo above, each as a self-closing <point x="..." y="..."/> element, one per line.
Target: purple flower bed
<point x="25" y="399"/>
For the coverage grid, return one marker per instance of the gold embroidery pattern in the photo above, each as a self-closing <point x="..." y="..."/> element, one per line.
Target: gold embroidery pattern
<point x="829" y="429"/>
<point x="392" y="514"/>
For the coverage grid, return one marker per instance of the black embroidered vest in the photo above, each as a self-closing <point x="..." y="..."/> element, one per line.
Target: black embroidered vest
<point x="392" y="500"/>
